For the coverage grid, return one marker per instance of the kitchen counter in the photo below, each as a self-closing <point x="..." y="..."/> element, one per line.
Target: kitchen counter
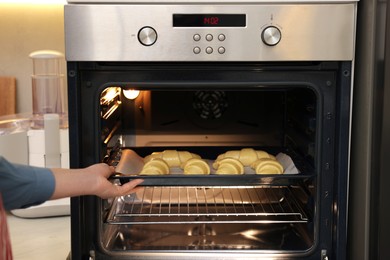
<point x="39" y="238"/>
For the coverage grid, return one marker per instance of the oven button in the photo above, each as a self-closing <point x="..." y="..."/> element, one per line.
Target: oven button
<point x="196" y="37"/>
<point x="221" y="37"/>
<point x="209" y="37"/>
<point x="221" y="50"/>
<point x="209" y="50"/>
<point x="147" y="36"/>
<point x="196" y="50"/>
<point x="271" y="35"/>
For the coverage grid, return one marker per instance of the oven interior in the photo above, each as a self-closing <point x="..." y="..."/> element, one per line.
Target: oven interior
<point x="297" y="113"/>
<point x="270" y="214"/>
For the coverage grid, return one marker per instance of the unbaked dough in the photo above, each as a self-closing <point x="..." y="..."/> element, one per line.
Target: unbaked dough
<point x="190" y="163"/>
<point x="173" y="158"/>
<point x="196" y="166"/>
<point x="234" y="161"/>
<point x="157" y="166"/>
<point x="229" y="166"/>
<point x="267" y="166"/>
<point x="246" y="156"/>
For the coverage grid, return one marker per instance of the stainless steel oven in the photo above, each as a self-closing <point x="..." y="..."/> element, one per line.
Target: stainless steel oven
<point x="212" y="79"/>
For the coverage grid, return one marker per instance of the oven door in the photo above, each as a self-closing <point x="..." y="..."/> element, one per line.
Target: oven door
<point x="299" y="110"/>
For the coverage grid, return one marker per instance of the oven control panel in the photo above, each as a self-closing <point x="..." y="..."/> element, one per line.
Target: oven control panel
<point x="264" y="32"/>
<point x="270" y="36"/>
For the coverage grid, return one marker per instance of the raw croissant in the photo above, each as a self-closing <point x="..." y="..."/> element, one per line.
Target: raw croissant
<point x="157" y="166"/>
<point x="196" y="166"/>
<point x="229" y="166"/>
<point x="267" y="166"/>
<point x="233" y="162"/>
<point x="173" y="158"/>
<point x="246" y="156"/>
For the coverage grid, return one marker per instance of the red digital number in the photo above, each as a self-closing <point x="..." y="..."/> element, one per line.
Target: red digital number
<point x="211" y="20"/>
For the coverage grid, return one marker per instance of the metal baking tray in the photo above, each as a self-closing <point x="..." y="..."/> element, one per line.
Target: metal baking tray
<point x="130" y="164"/>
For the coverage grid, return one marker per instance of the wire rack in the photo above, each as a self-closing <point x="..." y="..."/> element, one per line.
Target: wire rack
<point x="178" y="205"/>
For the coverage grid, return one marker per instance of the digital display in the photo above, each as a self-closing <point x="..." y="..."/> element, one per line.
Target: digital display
<point x="209" y="20"/>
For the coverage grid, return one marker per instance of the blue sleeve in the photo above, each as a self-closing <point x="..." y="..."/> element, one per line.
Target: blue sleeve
<point x="22" y="186"/>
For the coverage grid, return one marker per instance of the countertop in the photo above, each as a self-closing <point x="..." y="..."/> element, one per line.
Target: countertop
<point x="39" y="238"/>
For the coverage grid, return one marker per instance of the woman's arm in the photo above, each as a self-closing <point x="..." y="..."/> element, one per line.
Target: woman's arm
<point x="92" y="180"/>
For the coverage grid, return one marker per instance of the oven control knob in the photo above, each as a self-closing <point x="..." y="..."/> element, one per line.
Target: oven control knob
<point x="271" y="35"/>
<point x="147" y="36"/>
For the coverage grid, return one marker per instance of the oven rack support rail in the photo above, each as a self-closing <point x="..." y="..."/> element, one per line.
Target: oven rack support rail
<point x="181" y="205"/>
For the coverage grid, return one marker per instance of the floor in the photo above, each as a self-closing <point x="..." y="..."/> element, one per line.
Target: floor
<point x="40" y="238"/>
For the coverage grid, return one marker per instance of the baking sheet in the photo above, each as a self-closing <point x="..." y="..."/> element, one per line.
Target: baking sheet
<point x="131" y="164"/>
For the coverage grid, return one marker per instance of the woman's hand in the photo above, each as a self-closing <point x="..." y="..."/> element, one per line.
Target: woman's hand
<point x="106" y="189"/>
<point x="92" y="180"/>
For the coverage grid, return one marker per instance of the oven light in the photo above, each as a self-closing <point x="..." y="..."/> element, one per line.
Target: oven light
<point x="131" y="93"/>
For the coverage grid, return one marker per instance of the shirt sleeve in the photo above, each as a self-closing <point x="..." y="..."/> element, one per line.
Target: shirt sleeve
<point x="23" y="186"/>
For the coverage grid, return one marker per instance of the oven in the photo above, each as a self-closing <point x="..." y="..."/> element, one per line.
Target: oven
<point x="218" y="83"/>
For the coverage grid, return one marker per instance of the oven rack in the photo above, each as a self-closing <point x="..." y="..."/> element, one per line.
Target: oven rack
<point x="181" y="205"/>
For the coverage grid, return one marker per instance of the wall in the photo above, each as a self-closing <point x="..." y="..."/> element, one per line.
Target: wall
<point x="25" y="28"/>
